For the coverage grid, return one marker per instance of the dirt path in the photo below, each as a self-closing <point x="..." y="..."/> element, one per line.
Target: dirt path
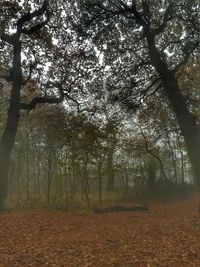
<point x="167" y="236"/>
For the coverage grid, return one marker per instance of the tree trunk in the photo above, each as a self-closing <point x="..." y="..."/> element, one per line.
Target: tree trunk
<point x="188" y="125"/>
<point x="9" y="134"/>
<point x="110" y="170"/>
<point x="100" y="184"/>
<point x="173" y="156"/>
<point x="27" y="168"/>
<point x="182" y="161"/>
<point x="18" y="175"/>
<point x="126" y="179"/>
<point x="187" y="122"/>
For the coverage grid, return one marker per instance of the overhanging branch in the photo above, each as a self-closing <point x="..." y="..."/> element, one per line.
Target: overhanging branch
<point x="50" y="100"/>
<point x="30" y="16"/>
<point x="165" y="19"/>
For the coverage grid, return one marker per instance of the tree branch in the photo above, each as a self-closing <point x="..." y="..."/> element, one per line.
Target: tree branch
<point x="165" y="19"/>
<point x="30" y="16"/>
<point x="188" y="49"/>
<point x="138" y="17"/>
<point x="7" y="38"/>
<point x="32" y="65"/>
<point x="157" y="157"/>
<point x="50" y="100"/>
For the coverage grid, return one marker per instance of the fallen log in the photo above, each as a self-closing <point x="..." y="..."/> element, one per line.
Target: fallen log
<point x="120" y="209"/>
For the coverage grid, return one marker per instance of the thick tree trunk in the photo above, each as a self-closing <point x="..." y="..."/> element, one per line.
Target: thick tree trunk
<point x="8" y="138"/>
<point x="188" y="125"/>
<point x="187" y="122"/>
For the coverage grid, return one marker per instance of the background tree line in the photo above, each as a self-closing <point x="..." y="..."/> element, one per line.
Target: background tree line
<point x="66" y="159"/>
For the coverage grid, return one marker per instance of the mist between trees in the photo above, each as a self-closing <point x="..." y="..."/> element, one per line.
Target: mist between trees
<point x="66" y="159"/>
<point x="102" y="96"/>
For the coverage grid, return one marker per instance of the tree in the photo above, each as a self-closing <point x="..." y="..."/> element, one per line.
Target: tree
<point x="27" y="25"/>
<point x="161" y="122"/>
<point x="111" y="132"/>
<point x="146" y="44"/>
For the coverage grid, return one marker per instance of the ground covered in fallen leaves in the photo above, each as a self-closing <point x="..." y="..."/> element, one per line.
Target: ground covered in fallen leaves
<point x="168" y="235"/>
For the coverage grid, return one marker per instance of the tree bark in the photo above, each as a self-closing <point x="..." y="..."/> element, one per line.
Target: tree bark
<point x="9" y="134"/>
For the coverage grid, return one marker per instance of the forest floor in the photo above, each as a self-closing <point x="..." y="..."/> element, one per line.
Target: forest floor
<point x="168" y="235"/>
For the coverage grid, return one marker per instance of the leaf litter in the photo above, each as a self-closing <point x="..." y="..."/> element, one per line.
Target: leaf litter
<point x="168" y="235"/>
